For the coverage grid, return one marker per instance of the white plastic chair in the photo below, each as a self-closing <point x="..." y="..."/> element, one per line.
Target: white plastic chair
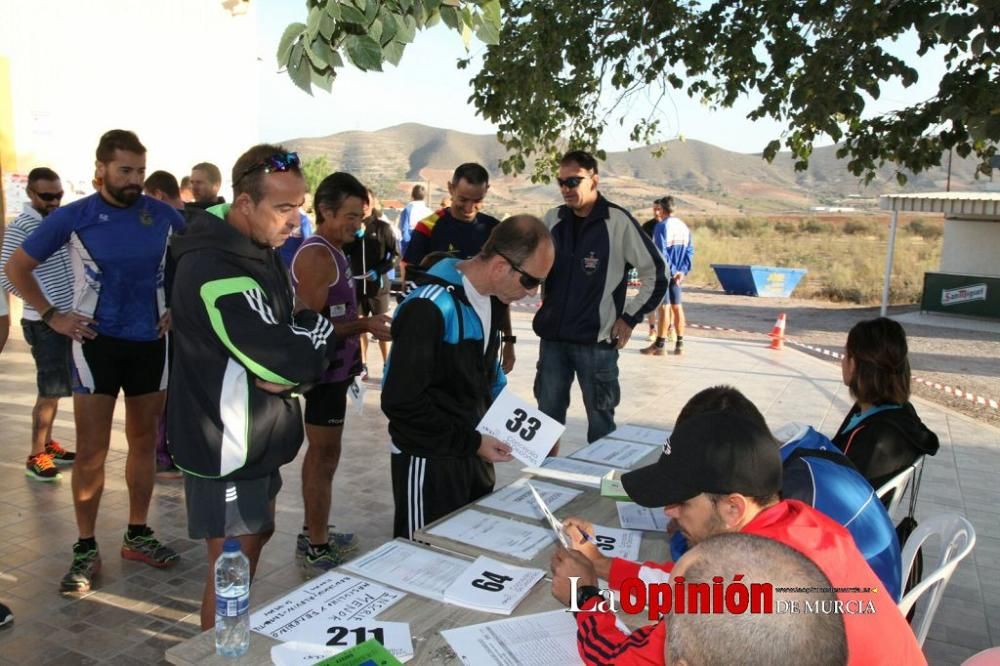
<point x="957" y="539"/>
<point x="899" y="484"/>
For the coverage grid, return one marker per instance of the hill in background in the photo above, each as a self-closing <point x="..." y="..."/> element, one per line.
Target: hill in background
<point x="704" y="178"/>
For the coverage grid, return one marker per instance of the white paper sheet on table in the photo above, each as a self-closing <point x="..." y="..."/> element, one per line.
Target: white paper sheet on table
<point x="640" y="434"/>
<point x="394" y="636"/>
<point x="492" y="586"/>
<point x="554" y="523"/>
<point x="571" y="471"/>
<point x="305" y="613"/>
<point x="617" y="542"/>
<point x="409" y="567"/>
<point x="541" y="639"/>
<point x="500" y="535"/>
<point x="615" y="452"/>
<point x="530" y="433"/>
<point x="516" y="498"/>
<point x="635" y="517"/>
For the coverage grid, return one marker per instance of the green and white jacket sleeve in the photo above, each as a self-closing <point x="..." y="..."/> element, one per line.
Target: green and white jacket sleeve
<point x="289" y="352"/>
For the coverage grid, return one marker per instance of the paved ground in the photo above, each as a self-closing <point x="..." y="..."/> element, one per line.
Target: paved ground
<point x="137" y="612"/>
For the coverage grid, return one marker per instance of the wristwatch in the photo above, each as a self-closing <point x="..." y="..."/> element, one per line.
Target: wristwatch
<point x="586" y="593"/>
<point x="509" y="339"/>
<point x="49" y="313"/>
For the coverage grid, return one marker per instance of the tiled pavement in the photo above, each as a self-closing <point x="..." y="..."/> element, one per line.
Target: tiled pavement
<point x="137" y="612"/>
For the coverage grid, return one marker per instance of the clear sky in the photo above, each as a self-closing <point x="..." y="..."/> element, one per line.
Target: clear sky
<point x="373" y="100"/>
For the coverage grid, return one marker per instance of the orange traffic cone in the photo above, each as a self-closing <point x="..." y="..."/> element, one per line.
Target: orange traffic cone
<point x="777" y="333"/>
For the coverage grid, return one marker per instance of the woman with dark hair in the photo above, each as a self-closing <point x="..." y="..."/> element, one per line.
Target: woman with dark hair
<point x="882" y="434"/>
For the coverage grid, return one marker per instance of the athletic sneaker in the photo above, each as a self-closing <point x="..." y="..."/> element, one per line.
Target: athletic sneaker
<point x="41" y="467"/>
<point x="346" y="542"/>
<point x="6" y="616"/>
<point x="318" y="561"/>
<point x="147" y="548"/>
<point x="59" y="455"/>
<point x="652" y="335"/>
<point x="671" y="335"/>
<point x="653" y="350"/>
<point x="86" y="564"/>
<point x="679" y="348"/>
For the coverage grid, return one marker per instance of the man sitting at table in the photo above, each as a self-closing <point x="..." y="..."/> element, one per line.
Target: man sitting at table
<point x="442" y="374"/>
<point x="721" y="473"/>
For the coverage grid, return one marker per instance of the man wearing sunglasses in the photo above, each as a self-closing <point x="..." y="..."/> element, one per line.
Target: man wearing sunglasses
<point x="119" y="239"/>
<point x="585" y="317"/>
<point x="50" y="349"/>
<point x="443" y="372"/>
<point x="240" y="350"/>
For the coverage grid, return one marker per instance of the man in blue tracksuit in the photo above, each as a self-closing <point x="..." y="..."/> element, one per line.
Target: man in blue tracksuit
<point x="585" y="318"/>
<point x="673" y="240"/>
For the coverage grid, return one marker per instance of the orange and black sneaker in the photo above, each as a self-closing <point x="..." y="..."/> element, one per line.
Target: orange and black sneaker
<point x="41" y="467"/>
<point x="59" y="455"/>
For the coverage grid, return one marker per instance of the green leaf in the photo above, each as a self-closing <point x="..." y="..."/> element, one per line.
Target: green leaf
<point x="393" y="52"/>
<point x="901" y="178"/>
<point x="288" y="38"/>
<point x="319" y="52"/>
<point x="466" y="36"/>
<point x="375" y="31"/>
<point x="312" y="24"/>
<point x="491" y="12"/>
<point x="299" y="68"/>
<point x="390" y="26"/>
<point x="365" y="53"/>
<point x="323" y="80"/>
<point x="488" y="33"/>
<point x="451" y="18"/>
<point x="333" y="9"/>
<point x="327" y="26"/>
<point x="335" y="60"/>
<point x="407" y="30"/>
<point x="371" y="9"/>
<point x="352" y="14"/>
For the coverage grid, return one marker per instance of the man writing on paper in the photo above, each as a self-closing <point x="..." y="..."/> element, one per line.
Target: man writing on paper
<point x="722" y="473"/>
<point x="443" y="372"/>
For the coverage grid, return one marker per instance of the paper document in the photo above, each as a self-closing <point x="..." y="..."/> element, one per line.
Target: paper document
<point x="530" y="433"/>
<point x="640" y="434"/>
<point x="369" y="653"/>
<point x="393" y="636"/>
<point x="489" y="532"/>
<point x="305" y="613"/>
<point x="554" y="523"/>
<point x="356" y="392"/>
<point x="615" y="452"/>
<point x="611" y="486"/>
<point x="616" y="542"/>
<point x="542" y="639"/>
<point x="410" y="567"/>
<point x="635" y="517"/>
<point x="570" y="470"/>
<point x="492" y="586"/>
<point x="518" y="500"/>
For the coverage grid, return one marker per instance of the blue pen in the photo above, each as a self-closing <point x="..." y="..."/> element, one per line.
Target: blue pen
<point x="586" y="537"/>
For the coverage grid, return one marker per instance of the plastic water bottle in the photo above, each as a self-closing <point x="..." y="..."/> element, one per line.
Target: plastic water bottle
<point x="232" y="601"/>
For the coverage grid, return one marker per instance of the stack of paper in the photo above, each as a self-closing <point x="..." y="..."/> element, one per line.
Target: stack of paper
<point x="640" y="434"/>
<point x="615" y="542"/>
<point x="492" y="587"/>
<point x="611" y="486"/>
<point x="529" y="432"/>
<point x="500" y="535"/>
<point x="571" y="471"/>
<point x="410" y="567"/>
<point x="516" y="498"/>
<point x="615" y="452"/>
<point x="635" y="517"/>
<point x="541" y="639"/>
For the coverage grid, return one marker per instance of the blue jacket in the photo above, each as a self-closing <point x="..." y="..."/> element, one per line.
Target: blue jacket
<point x="585" y="290"/>
<point x="816" y="473"/>
<point x="673" y="239"/>
<point x="438" y="382"/>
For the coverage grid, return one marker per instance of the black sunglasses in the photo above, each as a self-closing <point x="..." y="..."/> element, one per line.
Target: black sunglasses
<point x="572" y="182"/>
<point x="528" y="281"/>
<point x="279" y="162"/>
<point x="47" y="196"/>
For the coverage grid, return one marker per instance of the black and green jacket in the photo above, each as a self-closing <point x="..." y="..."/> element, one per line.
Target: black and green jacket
<point x="233" y="323"/>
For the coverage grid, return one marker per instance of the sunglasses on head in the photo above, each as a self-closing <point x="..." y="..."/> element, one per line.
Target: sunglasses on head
<point x="277" y="163"/>
<point x="572" y="182"/>
<point x="528" y="281"/>
<point x="47" y="196"/>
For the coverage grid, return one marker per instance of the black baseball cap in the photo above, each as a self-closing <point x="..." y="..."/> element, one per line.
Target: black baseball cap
<point x="712" y="452"/>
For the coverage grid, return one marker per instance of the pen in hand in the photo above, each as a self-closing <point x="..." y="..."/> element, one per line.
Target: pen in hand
<point x="586" y="537"/>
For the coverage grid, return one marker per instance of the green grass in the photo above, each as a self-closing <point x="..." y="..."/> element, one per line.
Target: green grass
<point x="844" y="256"/>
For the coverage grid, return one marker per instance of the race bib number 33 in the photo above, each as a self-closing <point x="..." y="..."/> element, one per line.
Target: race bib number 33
<point x="530" y="433"/>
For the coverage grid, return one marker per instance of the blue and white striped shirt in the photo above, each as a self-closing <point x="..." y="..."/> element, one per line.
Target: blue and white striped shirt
<point x="54" y="275"/>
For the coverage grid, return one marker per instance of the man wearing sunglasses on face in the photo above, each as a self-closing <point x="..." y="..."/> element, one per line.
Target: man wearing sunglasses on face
<point x="240" y="350"/>
<point x="585" y="318"/>
<point x="50" y="349"/>
<point x="443" y="372"/>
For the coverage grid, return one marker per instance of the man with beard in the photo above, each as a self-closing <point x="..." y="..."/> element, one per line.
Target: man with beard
<point x="117" y="238"/>
<point x="50" y="349"/>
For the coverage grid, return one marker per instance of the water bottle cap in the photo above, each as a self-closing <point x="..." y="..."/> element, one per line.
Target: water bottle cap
<point x="232" y="545"/>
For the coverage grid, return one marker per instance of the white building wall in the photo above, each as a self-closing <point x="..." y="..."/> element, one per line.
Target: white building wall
<point x="182" y="74"/>
<point x="970" y="247"/>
